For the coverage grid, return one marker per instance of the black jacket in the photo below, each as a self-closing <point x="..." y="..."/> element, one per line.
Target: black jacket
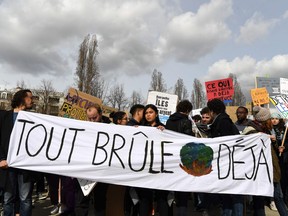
<point x="180" y="123"/>
<point x="222" y="126"/>
<point x="6" y="126"/>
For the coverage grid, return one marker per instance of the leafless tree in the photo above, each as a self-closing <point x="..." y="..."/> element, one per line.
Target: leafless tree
<point x="21" y="84"/>
<point x="44" y="92"/>
<point x="157" y="82"/>
<point x="198" y="98"/>
<point x="136" y="98"/>
<point x="180" y="89"/>
<point x="238" y="98"/>
<point x="88" y="77"/>
<point x="117" y="98"/>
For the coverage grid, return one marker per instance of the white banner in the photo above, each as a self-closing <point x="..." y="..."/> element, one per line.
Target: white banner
<point x="142" y="156"/>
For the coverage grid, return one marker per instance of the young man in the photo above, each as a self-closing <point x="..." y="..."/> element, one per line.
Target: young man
<point x="12" y="179"/>
<point x="137" y="114"/>
<point x="222" y="125"/>
<point x="180" y="122"/>
<point x="242" y="120"/>
<point x="94" y="114"/>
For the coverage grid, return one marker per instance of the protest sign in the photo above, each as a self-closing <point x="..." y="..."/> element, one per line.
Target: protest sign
<point x="142" y="156"/>
<point x="271" y="84"/>
<point x="165" y="103"/>
<point x="75" y="104"/>
<point x="222" y="89"/>
<point x="259" y="96"/>
<point x="284" y="86"/>
<point x="281" y="103"/>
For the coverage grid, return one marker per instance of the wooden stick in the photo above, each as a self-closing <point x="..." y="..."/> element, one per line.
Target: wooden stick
<point x="283" y="139"/>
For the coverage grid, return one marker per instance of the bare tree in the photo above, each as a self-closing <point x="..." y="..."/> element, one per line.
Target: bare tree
<point x="238" y="98"/>
<point x="180" y="89"/>
<point x="157" y="82"/>
<point x="198" y="98"/>
<point x="117" y="97"/>
<point x="21" y="84"/>
<point x="136" y="98"/>
<point x="44" y="92"/>
<point x="88" y="77"/>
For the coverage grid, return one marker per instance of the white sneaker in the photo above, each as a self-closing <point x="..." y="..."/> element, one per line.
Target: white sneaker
<point x="55" y="210"/>
<point x="273" y="206"/>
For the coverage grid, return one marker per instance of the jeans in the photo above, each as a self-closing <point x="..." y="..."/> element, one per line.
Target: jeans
<point x="25" y="195"/>
<point x="278" y="199"/>
<point x="232" y="205"/>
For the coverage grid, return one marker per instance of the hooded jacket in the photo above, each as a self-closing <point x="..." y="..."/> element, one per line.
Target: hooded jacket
<point x="222" y="125"/>
<point x="180" y="123"/>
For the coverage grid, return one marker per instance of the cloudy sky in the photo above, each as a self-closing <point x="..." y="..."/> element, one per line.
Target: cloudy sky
<point x="39" y="39"/>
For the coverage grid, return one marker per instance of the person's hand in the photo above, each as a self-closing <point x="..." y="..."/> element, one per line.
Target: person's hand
<point x="3" y="164"/>
<point x="281" y="149"/>
<point x="160" y="127"/>
<point x="273" y="138"/>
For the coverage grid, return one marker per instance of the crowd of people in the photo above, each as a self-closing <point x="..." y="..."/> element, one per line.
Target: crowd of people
<point x="16" y="185"/>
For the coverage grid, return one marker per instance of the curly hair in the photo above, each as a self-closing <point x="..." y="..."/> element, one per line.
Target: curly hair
<point x="19" y="98"/>
<point x="184" y="106"/>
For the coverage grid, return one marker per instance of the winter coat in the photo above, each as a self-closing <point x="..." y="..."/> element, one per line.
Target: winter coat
<point x="222" y="125"/>
<point x="180" y="123"/>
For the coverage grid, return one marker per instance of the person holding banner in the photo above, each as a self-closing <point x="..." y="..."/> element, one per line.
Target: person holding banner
<point x="151" y="119"/>
<point x="263" y="124"/>
<point x="279" y="132"/>
<point x="94" y="114"/>
<point x="222" y="125"/>
<point x="180" y="122"/>
<point x="12" y="179"/>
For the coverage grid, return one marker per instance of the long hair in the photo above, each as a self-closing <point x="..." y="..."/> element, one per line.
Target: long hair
<point x="153" y="107"/>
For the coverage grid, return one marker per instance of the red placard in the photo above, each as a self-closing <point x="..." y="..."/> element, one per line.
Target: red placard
<point x="222" y="89"/>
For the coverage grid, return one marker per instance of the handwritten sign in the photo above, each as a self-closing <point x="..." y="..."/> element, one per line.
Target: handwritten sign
<point x="284" y="86"/>
<point x="260" y="96"/>
<point x="142" y="156"/>
<point x="281" y="103"/>
<point x="165" y="103"/>
<point x="75" y="104"/>
<point x="222" y="89"/>
<point x="271" y="84"/>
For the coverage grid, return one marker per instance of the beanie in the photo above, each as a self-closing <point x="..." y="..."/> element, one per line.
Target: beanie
<point x="276" y="115"/>
<point x="261" y="114"/>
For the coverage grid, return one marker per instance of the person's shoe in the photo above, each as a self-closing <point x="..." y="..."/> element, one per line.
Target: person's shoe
<point x="205" y="213"/>
<point x="42" y="196"/>
<point x="273" y="206"/>
<point x="55" y="210"/>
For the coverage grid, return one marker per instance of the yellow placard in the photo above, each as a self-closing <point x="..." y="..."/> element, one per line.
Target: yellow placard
<point x="260" y="96"/>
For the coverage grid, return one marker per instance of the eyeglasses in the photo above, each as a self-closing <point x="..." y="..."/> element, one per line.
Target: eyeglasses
<point x="125" y="119"/>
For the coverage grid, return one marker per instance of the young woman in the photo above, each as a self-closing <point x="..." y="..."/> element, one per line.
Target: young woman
<point x="119" y="118"/>
<point x="263" y="123"/>
<point x="279" y="130"/>
<point x="151" y="119"/>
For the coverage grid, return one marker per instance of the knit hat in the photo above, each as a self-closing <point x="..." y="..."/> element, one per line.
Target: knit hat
<point x="261" y="114"/>
<point x="276" y="115"/>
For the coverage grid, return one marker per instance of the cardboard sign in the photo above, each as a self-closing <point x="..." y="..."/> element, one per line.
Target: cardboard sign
<point x="75" y="104"/>
<point x="284" y="86"/>
<point x="259" y="96"/>
<point x="271" y="84"/>
<point x="165" y="103"/>
<point x="281" y="103"/>
<point x="222" y="89"/>
<point x="142" y="156"/>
